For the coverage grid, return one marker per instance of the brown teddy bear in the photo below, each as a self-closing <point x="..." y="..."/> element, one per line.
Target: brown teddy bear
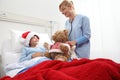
<point x="60" y="50"/>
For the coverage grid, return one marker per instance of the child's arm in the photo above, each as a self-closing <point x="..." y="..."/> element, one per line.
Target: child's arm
<point x="37" y="54"/>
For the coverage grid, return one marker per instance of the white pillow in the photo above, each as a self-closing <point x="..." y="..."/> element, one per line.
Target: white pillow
<point x="17" y="45"/>
<point x="16" y="40"/>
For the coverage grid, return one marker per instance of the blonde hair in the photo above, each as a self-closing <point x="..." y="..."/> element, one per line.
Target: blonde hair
<point x="67" y="3"/>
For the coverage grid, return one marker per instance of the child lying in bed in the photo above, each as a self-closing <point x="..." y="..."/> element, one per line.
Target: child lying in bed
<point x="31" y="55"/>
<point x="31" y="49"/>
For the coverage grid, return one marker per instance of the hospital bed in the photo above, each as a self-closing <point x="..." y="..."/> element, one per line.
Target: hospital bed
<point x="77" y="69"/>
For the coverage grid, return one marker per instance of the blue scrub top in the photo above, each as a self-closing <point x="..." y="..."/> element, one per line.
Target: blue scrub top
<point x="79" y="30"/>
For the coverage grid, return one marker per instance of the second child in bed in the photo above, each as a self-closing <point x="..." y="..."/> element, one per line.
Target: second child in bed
<point x="31" y="49"/>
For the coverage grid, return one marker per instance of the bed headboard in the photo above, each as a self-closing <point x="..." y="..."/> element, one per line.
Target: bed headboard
<point x="17" y="18"/>
<point x="27" y="20"/>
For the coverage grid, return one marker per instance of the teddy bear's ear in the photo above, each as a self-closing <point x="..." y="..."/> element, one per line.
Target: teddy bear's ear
<point x="66" y="31"/>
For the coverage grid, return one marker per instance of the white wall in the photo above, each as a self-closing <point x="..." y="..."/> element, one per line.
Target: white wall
<point x="45" y="9"/>
<point x="104" y="18"/>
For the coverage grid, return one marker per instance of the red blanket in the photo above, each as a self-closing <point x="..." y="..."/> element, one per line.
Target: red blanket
<point x="84" y="69"/>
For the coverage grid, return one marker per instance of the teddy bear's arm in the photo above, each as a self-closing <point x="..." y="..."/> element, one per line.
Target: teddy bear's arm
<point x="64" y="48"/>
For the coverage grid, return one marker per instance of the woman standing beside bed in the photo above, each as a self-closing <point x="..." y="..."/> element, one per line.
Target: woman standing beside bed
<point x="78" y="27"/>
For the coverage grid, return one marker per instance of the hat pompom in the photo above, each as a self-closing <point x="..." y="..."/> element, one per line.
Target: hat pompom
<point x="24" y="35"/>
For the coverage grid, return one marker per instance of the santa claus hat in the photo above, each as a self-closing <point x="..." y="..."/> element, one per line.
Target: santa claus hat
<point x="27" y="36"/>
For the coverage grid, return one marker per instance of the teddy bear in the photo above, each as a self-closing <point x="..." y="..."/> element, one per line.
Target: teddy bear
<point x="60" y="49"/>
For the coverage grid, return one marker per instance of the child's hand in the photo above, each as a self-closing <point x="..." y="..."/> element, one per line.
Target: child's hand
<point x="37" y="54"/>
<point x="46" y="45"/>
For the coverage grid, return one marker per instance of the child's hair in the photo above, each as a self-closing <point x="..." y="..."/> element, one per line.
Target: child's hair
<point x="66" y="3"/>
<point x="37" y="36"/>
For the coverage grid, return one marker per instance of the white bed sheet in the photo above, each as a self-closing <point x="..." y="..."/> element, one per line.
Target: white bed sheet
<point x="14" y="68"/>
<point x="12" y="73"/>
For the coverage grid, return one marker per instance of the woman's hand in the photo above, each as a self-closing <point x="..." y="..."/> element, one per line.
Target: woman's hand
<point x="37" y="54"/>
<point x="72" y="43"/>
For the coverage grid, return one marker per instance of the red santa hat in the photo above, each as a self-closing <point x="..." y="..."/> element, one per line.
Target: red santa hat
<point x="27" y="36"/>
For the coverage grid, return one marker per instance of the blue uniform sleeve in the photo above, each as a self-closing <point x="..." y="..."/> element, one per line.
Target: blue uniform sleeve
<point x="86" y="32"/>
<point x="24" y="55"/>
<point x="81" y="40"/>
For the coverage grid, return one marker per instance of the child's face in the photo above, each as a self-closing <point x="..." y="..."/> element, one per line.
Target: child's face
<point x="34" y="41"/>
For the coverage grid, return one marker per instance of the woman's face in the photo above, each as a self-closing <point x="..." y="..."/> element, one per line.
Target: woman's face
<point x="67" y="11"/>
<point x="34" y="41"/>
